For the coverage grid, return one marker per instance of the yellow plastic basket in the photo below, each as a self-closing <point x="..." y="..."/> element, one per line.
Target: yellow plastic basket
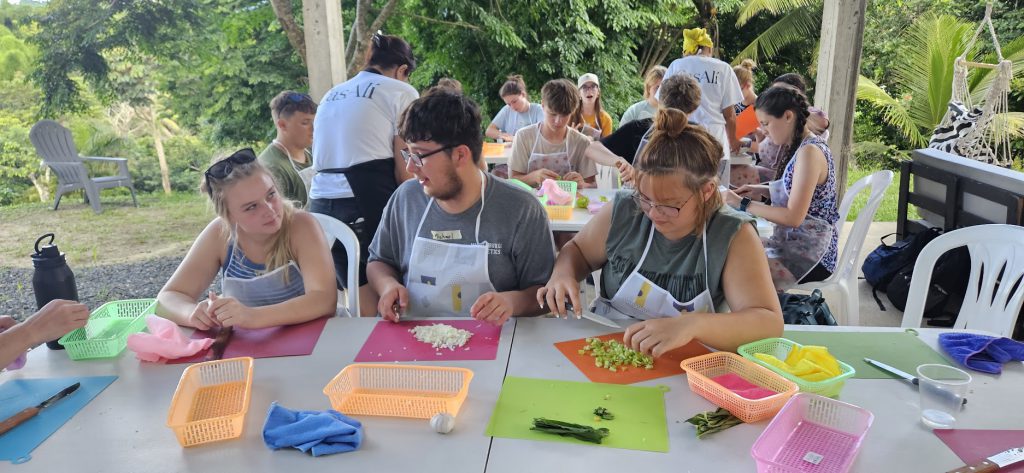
<point x="211" y="401"/>
<point x="700" y="370"/>
<point x="398" y="390"/>
<point x="105" y="335"/>
<point x="493" y="149"/>
<point x="780" y="348"/>
<point x="563" y="212"/>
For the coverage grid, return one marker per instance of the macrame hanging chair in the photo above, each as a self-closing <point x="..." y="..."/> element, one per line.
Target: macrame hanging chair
<point x="987" y="140"/>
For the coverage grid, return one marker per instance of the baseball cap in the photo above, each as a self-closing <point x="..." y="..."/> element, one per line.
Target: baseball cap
<point x="588" y="77"/>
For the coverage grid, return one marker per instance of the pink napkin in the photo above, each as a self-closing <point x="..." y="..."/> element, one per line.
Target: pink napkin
<point x="553" y="194"/>
<point x="742" y="387"/>
<point x="164" y="341"/>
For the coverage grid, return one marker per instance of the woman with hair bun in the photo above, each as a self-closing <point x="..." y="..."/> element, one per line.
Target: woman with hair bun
<point x="517" y="113"/>
<point x="804" y="245"/>
<point x="671" y="254"/>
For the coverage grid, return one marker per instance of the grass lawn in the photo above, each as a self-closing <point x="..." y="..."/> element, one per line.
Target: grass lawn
<point x="161" y="225"/>
<point x="886" y="211"/>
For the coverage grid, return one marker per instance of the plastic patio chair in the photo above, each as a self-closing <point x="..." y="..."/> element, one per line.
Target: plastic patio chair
<point x="54" y="143"/>
<point x="844" y="280"/>
<point x="997" y="256"/>
<point x="336" y="230"/>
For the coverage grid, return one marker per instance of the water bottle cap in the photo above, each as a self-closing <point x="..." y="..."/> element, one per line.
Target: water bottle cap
<point x="48" y="253"/>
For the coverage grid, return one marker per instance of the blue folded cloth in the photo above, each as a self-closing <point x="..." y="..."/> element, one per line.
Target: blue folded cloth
<point x="321" y="432"/>
<point x="981" y="352"/>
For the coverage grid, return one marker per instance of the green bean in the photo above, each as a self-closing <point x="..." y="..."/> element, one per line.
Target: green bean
<point x="614" y="356"/>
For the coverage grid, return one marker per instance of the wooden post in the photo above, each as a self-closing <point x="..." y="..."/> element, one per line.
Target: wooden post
<point x="835" y="92"/>
<point x="325" y="47"/>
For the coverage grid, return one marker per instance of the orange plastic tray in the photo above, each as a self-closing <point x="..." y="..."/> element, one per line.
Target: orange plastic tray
<point x="211" y="401"/>
<point x="700" y="370"/>
<point x="397" y="390"/>
<point x="493" y="149"/>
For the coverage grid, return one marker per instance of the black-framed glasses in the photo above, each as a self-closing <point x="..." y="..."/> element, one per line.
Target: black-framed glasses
<point x="590" y="87"/>
<point x="222" y="169"/>
<point x="417" y="158"/>
<point x="668" y="211"/>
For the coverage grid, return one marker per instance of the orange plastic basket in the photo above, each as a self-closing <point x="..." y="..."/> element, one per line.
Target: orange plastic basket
<point x="211" y="401"/>
<point x="398" y="390"/>
<point x="563" y="212"/>
<point x="700" y="370"/>
<point x="493" y="149"/>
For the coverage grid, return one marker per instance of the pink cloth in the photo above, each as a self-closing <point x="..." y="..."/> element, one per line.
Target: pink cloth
<point x="742" y="387"/>
<point x="164" y="341"/>
<point x="553" y="194"/>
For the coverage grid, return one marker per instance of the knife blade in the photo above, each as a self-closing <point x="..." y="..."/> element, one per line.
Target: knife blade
<point x="898" y="372"/>
<point x="995" y="462"/>
<point x="30" y="412"/>
<point x="219" y="344"/>
<point x="586" y="314"/>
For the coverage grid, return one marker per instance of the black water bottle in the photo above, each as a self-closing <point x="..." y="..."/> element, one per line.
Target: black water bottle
<point x="52" y="278"/>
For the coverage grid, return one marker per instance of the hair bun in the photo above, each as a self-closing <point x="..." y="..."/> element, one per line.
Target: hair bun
<point x="670" y="121"/>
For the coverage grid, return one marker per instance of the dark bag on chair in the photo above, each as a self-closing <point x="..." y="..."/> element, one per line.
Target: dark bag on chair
<point x="805" y="309"/>
<point x="886" y="261"/>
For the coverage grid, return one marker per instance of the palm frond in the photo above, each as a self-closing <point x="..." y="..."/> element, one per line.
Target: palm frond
<point x="981" y="79"/>
<point x="796" y="25"/>
<point x="775" y="7"/>
<point x="893" y="111"/>
<point x="1011" y="123"/>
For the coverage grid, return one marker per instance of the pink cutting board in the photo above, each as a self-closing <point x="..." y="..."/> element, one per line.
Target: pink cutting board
<point x="972" y="446"/>
<point x="391" y="341"/>
<point x="285" y="340"/>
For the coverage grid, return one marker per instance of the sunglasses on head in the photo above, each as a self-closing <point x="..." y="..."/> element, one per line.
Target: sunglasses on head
<point x="295" y="97"/>
<point x="222" y="169"/>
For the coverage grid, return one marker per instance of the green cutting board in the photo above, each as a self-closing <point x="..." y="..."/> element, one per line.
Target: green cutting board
<point x="902" y="350"/>
<point x="639" y="422"/>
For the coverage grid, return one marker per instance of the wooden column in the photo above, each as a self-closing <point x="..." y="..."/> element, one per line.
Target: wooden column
<point x="842" y="36"/>
<point x="325" y="46"/>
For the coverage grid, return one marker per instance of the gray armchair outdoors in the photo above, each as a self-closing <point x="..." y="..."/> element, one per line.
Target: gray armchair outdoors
<point x="54" y="143"/>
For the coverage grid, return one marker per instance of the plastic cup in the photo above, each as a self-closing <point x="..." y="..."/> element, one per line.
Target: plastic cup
<point x="942" y="390"/>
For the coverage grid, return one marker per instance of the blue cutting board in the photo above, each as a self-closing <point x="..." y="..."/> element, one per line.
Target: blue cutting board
<point x="18" y="394"/>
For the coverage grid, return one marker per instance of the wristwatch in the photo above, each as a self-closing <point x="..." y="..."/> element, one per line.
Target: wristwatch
<point x="744" y="202"/>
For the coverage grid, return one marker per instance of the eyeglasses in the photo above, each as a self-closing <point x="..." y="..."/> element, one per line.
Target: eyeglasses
<point x="222" y="169"/>
<point x="667" y="211"/>
<point x="417" y="158"/>
<point x="590" y="87"/>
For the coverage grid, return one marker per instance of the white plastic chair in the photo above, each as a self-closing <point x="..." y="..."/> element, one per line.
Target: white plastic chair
<point x="335" y="229"/>
<point x="997" y="255"/>
<point x="844" y="280"/>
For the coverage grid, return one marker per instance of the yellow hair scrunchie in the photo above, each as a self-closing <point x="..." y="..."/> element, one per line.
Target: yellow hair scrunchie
<point x="694" y="39"/>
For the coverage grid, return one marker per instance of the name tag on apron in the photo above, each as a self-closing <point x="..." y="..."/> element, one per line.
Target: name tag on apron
<point x="445" y="235"/>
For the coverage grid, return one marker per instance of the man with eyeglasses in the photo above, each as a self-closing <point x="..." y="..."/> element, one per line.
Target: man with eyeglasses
<point x="455" y="241"/>
<point x="287" y="157"/>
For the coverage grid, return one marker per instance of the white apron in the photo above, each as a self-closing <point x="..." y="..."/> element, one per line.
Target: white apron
<point x="798" y="249"/>
<point x="640" y="298"/>
<point x="643" y="142"/>
<point x="446" y="279"/>
<point x="556" y="162"/>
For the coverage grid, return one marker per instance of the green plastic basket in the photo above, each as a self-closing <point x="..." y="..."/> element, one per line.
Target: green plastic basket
<point x="780" y="348"/>
<point x="105" y="335"/>
<point x="562" y="212"/>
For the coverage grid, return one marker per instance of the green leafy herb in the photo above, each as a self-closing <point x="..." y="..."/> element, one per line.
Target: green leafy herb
<point x="585" y="433"/>
<point x="708" y="423"/>
<point x="615" y="356"/>
<point x="603" y="413"/>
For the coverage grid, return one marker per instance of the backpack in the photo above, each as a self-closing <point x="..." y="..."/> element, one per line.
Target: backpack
<point x="948" y="284"/>
<point x="885" y="261"/>
<point x="805" y="309"/>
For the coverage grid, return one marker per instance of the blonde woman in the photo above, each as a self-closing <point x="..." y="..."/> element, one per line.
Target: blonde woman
<point x="647" y="107"/>
<point x="275" y="264"/>
<point x="671" y="254"/>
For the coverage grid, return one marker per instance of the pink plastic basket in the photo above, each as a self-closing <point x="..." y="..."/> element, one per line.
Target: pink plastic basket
<point x="812" y="434"/>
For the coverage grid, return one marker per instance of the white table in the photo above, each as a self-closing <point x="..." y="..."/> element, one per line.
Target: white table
<point x="580" y="217"/>
<point x="503" y="158"/>
<point x="123" y="429"/>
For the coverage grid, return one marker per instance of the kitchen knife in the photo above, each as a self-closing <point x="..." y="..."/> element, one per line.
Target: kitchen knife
<point x="219" y="344"/>
<point x="30" y="412"/>
<point x="898" y="372"/>
<point x="586" y="314"/>
<point x="993" y="463"/>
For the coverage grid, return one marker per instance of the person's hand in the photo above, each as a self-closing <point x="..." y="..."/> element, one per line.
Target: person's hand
<point x="393" y="302"/>
<point x="229" y="312"/>
<point x="625" y="171"/>
<point x="656" y="337"/>
<point x="555" y="294"/>
<point x="754" y="191"/>
<point x="575" y="177"/>
<point x="535" y="178"/>
<point x="491" y="307"/>
<point x="731" y="198"/>
<point x="735" y="145"/>
<point x="7" y="322"/>
<point x="56" y="319"/>
<point x="506" y="137"/>
<point x="201" y="318"/>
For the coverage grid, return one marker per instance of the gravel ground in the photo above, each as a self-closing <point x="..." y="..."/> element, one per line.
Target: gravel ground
<point x="96" y="284"/>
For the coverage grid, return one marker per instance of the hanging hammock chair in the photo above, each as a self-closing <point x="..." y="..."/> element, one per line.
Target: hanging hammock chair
<point x="973" y="130"/>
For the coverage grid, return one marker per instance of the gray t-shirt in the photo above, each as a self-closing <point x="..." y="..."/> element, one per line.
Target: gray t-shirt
<point x="514" y="225"/>
<point x="510" y="121"/>
<point x="638" y="111"/>
<point x="676" y="266"/>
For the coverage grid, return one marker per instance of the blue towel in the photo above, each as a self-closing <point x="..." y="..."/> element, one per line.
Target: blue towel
<point x="322" y="432"/>
<point x="981" y="352"/>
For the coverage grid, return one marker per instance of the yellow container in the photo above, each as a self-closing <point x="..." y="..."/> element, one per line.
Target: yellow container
<point x="398" y="390"/>
<point x="211" y="401"/>
<point x="493" y="149"/>
<point x="563" y="212"/>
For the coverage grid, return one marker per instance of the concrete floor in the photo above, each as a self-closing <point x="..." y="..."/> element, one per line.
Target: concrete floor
<point x="870" y="314"/>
